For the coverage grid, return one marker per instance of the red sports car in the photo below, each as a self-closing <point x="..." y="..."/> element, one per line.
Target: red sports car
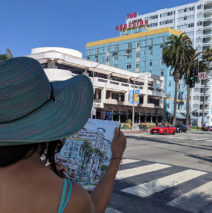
<point x="163" y="130"/>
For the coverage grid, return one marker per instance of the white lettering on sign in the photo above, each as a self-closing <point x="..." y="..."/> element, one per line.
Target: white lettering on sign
<point x="202" y="75"/>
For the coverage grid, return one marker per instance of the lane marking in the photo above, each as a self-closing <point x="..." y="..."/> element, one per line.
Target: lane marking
<point x="151" y="187"/>
<point x="194" y="200"/>
<point x="140" y="170"/>
<point x="199" y="139"/>
<point x="110" y="210"/>
<point x="126" y="161"/>
<point x="209" y="140"/>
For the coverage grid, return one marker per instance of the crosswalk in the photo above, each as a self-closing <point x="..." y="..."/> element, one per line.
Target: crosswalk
<point x="182" y="188"/>
<point x="177" y="137"/>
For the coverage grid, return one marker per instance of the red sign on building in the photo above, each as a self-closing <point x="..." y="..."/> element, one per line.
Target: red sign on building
<point x="132" y="15"/>
<point x="130" y="26"/>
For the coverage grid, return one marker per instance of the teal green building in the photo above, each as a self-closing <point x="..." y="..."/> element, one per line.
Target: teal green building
<point x="140" y="50"/>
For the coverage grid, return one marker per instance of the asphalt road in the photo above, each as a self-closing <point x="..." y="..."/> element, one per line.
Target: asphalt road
<point x="163" y="174"/>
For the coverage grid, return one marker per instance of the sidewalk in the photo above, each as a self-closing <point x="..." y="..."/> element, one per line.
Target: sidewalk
<point x="134" y="131"/>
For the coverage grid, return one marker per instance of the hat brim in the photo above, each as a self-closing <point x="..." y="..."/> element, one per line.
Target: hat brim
<point x="56" y="119"/>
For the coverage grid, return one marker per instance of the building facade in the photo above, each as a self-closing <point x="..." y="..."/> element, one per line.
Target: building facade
<point x="113" y="86"/>
<point x="140" y="50"/>
<point x="195" y="20"/>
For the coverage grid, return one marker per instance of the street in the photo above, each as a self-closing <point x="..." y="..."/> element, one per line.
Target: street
<point x="163" y="174"/>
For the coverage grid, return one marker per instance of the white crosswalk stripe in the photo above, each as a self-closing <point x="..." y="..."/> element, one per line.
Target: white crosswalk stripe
<point x="194" y="200"/>
<point x="110" y="210"/>
<point x="199" y="139"/>
<point x="140" y="170"/>
<point x="161" y="184"/>
<point x="209" y="140"/>
<point x="126" y="161"/>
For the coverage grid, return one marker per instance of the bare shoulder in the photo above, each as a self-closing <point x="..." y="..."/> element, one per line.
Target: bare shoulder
<point x="80" y="201"/>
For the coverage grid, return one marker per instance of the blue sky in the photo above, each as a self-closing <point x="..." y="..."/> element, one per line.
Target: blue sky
<point x="66" y="23"/>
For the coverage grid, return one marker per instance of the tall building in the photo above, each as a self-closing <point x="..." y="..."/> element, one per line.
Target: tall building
<point x="139" y="50"/>
<point x="195" y="20"/>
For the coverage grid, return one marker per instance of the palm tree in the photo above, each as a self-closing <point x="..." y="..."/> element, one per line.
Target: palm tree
<point x="6" y="56"/>
<point x="86" y="149"/>
<point x="176" y="53"/>
<point x="192" y="69"/>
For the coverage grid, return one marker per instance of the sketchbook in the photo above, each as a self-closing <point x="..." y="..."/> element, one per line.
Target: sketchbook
<point x="86" y="154"/>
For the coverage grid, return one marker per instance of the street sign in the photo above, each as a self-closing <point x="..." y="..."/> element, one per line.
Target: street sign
<point x="202" y="75"/>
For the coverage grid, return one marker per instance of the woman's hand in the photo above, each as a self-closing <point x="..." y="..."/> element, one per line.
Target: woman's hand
<point x="118" y="144"/>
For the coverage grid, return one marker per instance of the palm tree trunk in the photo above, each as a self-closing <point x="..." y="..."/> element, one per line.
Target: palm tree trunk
<point x="187" y="107"/>
<point x="175" y="102"/>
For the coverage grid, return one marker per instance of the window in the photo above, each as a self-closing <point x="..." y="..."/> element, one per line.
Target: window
<point x="150" y="63"/>
<point x="199" y="6"/>
<point x="151" y="52"/>
<point x="116" y="48"/>
<point x="97" y="59"/>
<point x="128" y="66"/>
<point x="144" y="52"/>
<point x="170" y="73"/>
<point x="151" y="41"/>
<point x="115" y="96"/>
<point x="88" y="53"/>
<point x="137" y="66"/>
<point x="137" y="54"/>
<point x="108" y="59"/>
<point x="163" y="39"/>
<point x="162" y="72"/>
<point x="115" y="57"/>
<point x="88" y="57"/>
<point x="129" y="46"/>
<point x="97" y="51"/>
<point x="190" y="25"/>
<point x="170" y="84"/>
<point x="162" y="62"/>
<point x="138" y="44"/>
<point x="168" y="105"/>
<point x="144" y="62"/>
<point x="108" y="49"/>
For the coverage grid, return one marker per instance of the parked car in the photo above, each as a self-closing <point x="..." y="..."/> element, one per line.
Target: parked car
<point x="207" y="128"/>
<point x="163" y="130"/>
<point x="181" y="128"/>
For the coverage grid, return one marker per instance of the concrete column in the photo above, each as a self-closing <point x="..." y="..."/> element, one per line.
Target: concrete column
<point x="145" y="99"/>
<point x="126" y="95"/>
<point x="103" y="95"/>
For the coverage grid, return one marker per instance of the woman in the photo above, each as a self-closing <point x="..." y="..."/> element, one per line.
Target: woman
<point x="34" y="117"/>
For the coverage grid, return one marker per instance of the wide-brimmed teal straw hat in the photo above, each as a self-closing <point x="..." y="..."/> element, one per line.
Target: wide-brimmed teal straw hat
<point x="34" y="110"/>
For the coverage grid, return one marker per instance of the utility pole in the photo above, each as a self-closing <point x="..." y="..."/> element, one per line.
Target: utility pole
<point x="203" y="110"/>
<point x="133" y="107"/>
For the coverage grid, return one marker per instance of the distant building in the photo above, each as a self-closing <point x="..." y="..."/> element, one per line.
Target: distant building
<point x="113" y="86"/>
<point x="138" y="49"/>
<point x="195" y="19"/>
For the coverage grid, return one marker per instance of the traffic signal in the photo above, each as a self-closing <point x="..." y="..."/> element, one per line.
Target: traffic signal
<point x="191" y="80"/>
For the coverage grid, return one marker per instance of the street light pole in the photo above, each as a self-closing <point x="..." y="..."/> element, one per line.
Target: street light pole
<point x="133" y="108"/>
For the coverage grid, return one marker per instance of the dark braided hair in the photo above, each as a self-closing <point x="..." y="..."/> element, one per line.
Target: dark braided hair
<point x="12" y="154"/>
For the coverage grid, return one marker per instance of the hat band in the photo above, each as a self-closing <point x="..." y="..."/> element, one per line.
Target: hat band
<point x="51" y="97"/>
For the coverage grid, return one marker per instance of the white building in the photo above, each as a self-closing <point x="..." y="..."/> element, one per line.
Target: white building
<point x="112" y="85"/>
<point x="195" y="20"/>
